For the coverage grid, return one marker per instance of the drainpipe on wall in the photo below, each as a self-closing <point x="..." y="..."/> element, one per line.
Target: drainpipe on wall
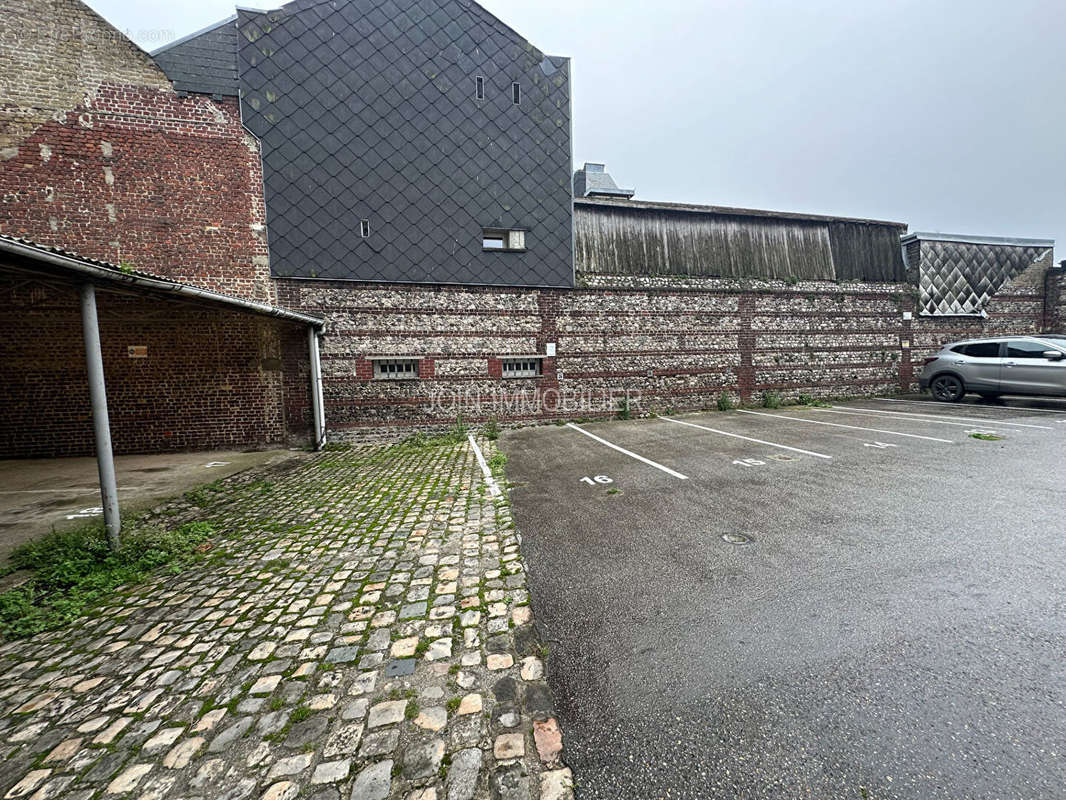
<point x="105" y="460"/>
<point x="318" y="410"/>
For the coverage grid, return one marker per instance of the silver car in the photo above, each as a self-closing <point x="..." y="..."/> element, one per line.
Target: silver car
<point x="1034" y="365"/>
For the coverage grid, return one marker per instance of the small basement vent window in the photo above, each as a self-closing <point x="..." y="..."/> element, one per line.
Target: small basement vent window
<point x="521" y="367"/>
<point x="516" y="93"/>
<point x="479" y="88"/>
<point x="396" y="369"/>
<point x="496" y="239"/>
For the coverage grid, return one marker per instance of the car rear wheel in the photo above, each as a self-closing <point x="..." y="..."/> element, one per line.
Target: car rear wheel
<point x="947" y="388"/>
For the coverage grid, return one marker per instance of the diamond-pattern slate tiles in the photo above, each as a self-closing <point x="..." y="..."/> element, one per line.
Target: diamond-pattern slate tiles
<point x="378" y="121"/>
<point x="960" y="277"/>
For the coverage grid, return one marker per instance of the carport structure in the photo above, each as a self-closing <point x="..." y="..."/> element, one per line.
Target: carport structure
<point x="100" y="358"/>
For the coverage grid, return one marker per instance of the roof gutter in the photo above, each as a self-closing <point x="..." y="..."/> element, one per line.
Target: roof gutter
<point x="156" y="284"/>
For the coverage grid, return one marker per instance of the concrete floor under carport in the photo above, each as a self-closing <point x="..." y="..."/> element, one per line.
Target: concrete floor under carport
<point x="99" y="361"/>
<point x="41" y="495"/>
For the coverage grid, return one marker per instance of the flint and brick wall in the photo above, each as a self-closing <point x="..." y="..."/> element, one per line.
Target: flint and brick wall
<point x="667" y="343"/>
<point x="212" y="379"/>
<point x="99" y="155"/>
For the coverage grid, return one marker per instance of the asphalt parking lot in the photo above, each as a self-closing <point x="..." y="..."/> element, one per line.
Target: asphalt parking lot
<point x="859" y="601"/>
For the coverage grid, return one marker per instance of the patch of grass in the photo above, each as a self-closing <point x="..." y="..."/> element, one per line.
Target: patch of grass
<point x="453" y="705"/>
<point x="725" y="402"/>
<point x="299" y="714"/>
<point x="75" y="569"/>
<point x="771" y="400"/>
<point x="624" y="410"/>
<point x="455" y="434"/>
<point x="497" y="462"/>
<point x="205" y="495"/>
<point x="614" y="490"/>
<point x="491" y="429"/>
<point x="987" y="437"/>
<point x="411" y="710"/>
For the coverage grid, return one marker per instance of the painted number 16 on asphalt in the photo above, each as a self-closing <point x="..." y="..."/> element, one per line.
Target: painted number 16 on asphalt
<point x="597" y="479"/>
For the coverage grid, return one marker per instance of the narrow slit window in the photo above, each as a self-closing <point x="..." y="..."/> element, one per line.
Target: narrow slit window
<point x="364" y="228"/>
<point x="516" y="93"/>
<point x="479" y="87"/>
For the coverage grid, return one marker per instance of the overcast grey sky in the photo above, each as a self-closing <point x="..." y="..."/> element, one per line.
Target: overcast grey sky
<point x="950" y="116"/>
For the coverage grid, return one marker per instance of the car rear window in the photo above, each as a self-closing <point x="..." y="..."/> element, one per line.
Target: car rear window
<point x="979" y="349"/>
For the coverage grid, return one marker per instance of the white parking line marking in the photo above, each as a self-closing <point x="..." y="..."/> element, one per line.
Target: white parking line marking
<point x="622" y="450"/>
<point x="856" y="413"/>
<point x="494" y="490"/>
<point x="967" y="405"/>
<point x="913" y="414"/>
<point x="747" y="438"/>
<point x="838" y="425"/>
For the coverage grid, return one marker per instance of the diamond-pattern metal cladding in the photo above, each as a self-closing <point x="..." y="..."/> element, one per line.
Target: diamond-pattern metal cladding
<point x="367" y="110"/>
<point x="960" y="277"/>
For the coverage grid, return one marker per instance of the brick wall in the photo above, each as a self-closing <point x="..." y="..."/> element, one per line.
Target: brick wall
<point x="100" y="156"/>
<point x="212" y="379"/>
<point x="666" y="343"/>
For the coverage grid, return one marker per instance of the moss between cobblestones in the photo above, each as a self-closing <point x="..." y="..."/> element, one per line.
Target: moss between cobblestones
<point x="324" y="559"/>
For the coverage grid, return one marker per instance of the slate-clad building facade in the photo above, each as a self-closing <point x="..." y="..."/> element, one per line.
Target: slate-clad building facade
<point x="402" y="141"/>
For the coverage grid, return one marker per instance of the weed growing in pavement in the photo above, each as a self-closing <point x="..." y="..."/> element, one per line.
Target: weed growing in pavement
<point x="725" y="402"/>
<point x="491" y="429"/>
<point x="205" y="495"/>
<point x="624" y="411"/>
<point x="74" y="569"/>
<point x="771" y="400"/>
<point x="810" y="400"/>
<point x="497" y="462"/>
<point x="986" y="437"/>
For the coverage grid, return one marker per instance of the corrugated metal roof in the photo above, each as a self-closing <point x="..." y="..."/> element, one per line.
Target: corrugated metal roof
<point x="94" y="269"/>
<point x="728" y="210"/>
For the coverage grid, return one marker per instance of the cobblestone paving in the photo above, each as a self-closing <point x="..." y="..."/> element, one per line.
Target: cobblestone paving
<point x="367" y="636"/>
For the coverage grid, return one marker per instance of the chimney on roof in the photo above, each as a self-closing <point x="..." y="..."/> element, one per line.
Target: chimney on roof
<point x="592" y="180"/>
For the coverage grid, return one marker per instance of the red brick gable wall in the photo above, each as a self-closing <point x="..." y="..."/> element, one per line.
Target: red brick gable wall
<point x="99" y="155"/>
<point x="145" y="178"/>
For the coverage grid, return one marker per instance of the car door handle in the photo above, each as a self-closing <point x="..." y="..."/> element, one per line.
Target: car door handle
<point x="1009" y="364"/>
<point x="959" y="363"/>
